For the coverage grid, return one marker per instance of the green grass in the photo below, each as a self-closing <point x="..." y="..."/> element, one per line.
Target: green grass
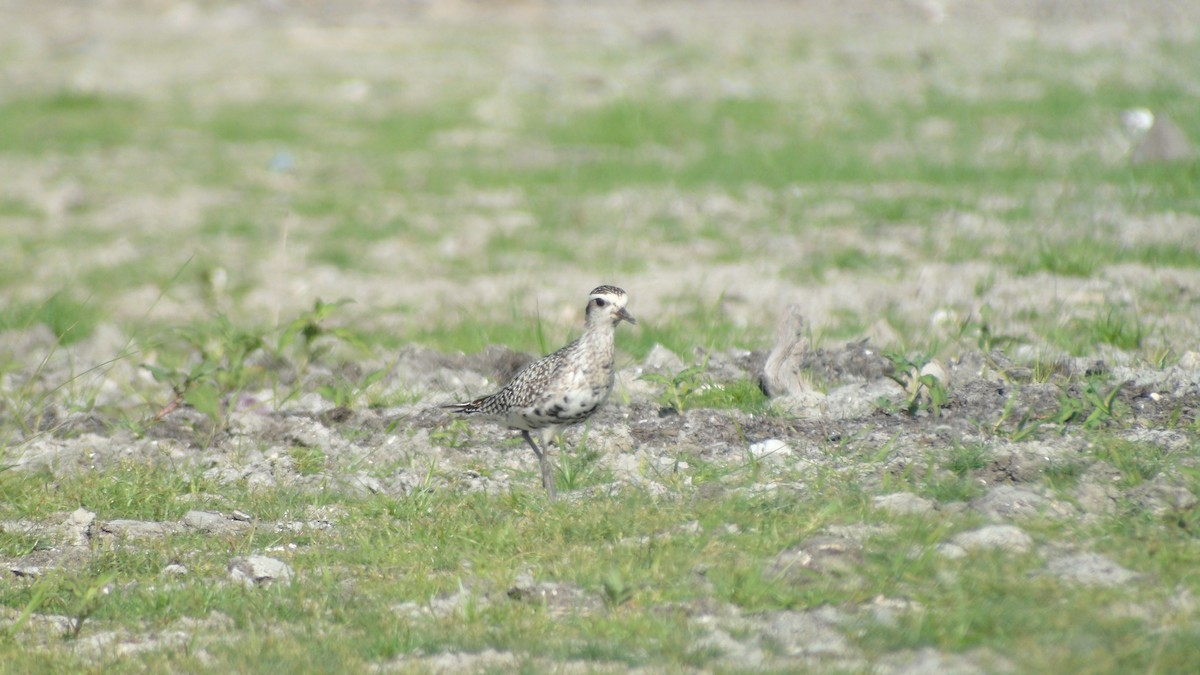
<point x="17" y="207"/>
<point x="694" y="324"/>
<point x="1136" y="462"/>
<point x="630" y="552"/>
<point x="69" y="319"/>
<point x="472" y="336"/>
<point x="1084" y="258"/>
<point x="67" y="122"/>
<point x="848" y="259"/>
<point x="1115" y="326"/>
<point x="280" y="123"/>
<point x="963" y="459"/>
<point x="744" y="395"/>
<point x="308" y="461"/>
<point x="127" y="491"/>
<point x="724" y="143"/>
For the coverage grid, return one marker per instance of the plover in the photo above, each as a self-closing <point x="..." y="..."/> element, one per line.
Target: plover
<point x="562" y="388"/>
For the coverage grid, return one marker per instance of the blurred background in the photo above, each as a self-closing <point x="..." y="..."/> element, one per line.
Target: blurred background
<point x="898" y="169"/>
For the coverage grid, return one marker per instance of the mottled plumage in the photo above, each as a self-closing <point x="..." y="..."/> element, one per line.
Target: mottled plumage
<point x="562" y="388"/>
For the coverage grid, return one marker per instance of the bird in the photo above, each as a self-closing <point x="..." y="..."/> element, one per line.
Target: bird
<point x="562" y="388"/>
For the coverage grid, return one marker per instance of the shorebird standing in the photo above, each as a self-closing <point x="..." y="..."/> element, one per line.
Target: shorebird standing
<point x="562" y="388"/>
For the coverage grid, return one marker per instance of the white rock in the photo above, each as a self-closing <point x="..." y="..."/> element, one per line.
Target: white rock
<point x="611" y="440"/>
<point x="136" y="529"/>
<point x="858" y="399"/>
<point x="1090" y="569"/>
<point x="79" y="524"/>
<point x="951" y="551"/>
<point x="903" y="503"/>
<point x="772" y="448"/>
<point x="805" y="405"/>
<point x="1190" y="361"/>
<point x="1164" y="141"/>
<point x="926" y="661"/>
<point x="1004" y="537"/>
<point x="627" y="467"/>
<point x="174" y="570"/>
<point x="213" y="523"/>
<point x="259" y="570"/>
<point x="664" y="360"/>
<point x="1009" y="501"/>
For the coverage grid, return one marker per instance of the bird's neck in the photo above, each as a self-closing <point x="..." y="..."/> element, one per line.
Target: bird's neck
<point x="599" y="334"/>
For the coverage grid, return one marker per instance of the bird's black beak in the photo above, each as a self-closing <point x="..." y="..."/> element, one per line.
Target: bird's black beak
<point x="622" y="315"/>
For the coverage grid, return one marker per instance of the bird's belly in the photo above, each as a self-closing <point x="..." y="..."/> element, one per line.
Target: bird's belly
<point x="563" y="409"/>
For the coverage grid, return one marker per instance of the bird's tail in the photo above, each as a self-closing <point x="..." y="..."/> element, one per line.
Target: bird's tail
<point x="463" y="408"/>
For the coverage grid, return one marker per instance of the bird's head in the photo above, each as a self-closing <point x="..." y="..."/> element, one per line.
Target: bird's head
<point x="607" y="303"/>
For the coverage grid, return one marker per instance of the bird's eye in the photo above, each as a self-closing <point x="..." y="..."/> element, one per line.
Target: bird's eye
<point x="600" y="302"/>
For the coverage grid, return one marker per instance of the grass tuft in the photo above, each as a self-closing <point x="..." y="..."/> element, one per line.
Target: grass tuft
<point x="71" y="320"/>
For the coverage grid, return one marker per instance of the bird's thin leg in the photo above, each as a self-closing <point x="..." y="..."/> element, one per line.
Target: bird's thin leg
<point x="547" y="469"/>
